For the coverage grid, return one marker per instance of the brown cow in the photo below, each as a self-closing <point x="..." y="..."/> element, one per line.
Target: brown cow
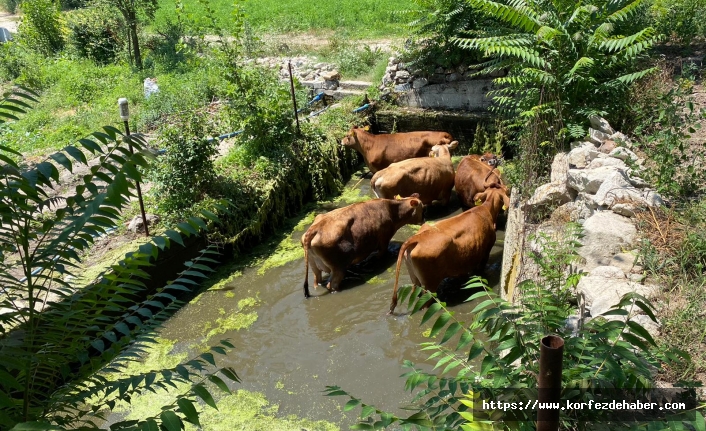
<point x="432" y="177"/>
<point x="379" y="151"/>
<point x="343" y="237"/>
<point x="457" y="246"/>
<point x="475" y="174"/>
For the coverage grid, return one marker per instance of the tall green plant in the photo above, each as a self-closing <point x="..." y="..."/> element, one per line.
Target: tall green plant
<point x="494" y="355"/>
<point x="42" y="26"/>
<point x="55" y="335"/>
<point x="571" y="60"/>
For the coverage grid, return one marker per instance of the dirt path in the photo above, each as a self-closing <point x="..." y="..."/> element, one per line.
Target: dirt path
<point x="9" y="21"/>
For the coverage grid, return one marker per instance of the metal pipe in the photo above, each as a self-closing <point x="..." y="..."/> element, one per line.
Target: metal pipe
<point x="137" y="183"/>
<point x="294" y="98"/>
<point x="551" y="353"/>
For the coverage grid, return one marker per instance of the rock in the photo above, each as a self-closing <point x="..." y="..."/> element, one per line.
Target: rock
<point x="399" y="88"/>
<point x="621" y="139"/>
<point x="393" y="60"/>
<point x="572" y="211"/>
<point x="601" y="125"/>
<point x="137" y="225"/>
<point x="552" y="194"/>
<point x="637" y="278"/>
<point x="402" y="75"/>
<point x="646" y="322"/>
<point x="497" y="73"/>
<point x="589" y="180"/>
<point x="330" y="84"/>
<point x="617" y="189"/>
<point x="452" y="77"/>
<point x="332" y="75"/>
<point x="606" y="161"/>
<point x="578" y="157"/>
<point x="596" y="136"/>
<point x="391" y="69"/>
<point x="319" y="65"/>
<point x="623" y="153"/>
<point x="439" y="70"/>
<point x="387" y="80"/>
<point x="636" y="181"/>
<point x="603" y="288"/>
<point x="624" y="209"/>
<point x="420" y="82"/>
<point x="560" y="168"/>
<point x="624" y="261"/>
<point x="605" y="234"/>
<point x="608" y="146"/>
<point x="573" y="323"/>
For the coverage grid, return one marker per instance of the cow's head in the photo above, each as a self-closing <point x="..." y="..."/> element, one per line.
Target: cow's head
<point x="417" y="207"/>
<point x="495" y="196"/>
<point x="490" y="159"/>
<point x="442" y="150"/>
<point x="351" y="138"/>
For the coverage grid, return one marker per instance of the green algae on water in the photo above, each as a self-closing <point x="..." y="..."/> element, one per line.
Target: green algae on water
<point x="235" y="321"/>
<point x="286" y="251"/>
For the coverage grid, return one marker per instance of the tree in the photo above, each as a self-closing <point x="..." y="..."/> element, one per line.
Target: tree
<point x="130" y="9"/>
<point x="55" y="335"/>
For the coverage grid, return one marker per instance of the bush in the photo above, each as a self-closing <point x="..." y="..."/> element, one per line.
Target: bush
<point x="680" y="19"/>
<point x="353" y="60"/>
<point x="185" y="174"/>
<point x="96" y="34"/>
<point x="42" y="27"/>
<point x="165" y="47"/>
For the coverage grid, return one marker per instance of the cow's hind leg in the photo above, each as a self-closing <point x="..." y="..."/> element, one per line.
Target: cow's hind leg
<point x="334" y="283"/>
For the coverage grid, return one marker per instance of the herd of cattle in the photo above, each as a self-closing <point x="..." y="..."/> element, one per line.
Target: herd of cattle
<point x="411" y="170"/>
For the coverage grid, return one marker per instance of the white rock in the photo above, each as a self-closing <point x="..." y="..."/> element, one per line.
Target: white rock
<point x="596" y="136"/>
<point x="601" y="124"/>
<point x="604" y="286"/>
<point x="391" y="69"/>
<point x="452" y="77"/>
<point x="617" y="188"/>
<point x="400" y="88"/>
<point x="552" y="194"/>
<point x="621" y="139"/>
<point x="624" y="209"/>
<point x="623" y="153"/>
<point x="606" y="161"/>
<point x="625" y="261"/>
<point x="560" y="167"/>
<point x="646" y="322"/>
<point x="589" y="180"/>
<point x="330" y="84"/>
<point x="578" y="157"/>
<point x="393" y="60"/>
<point x="605" y="234"/>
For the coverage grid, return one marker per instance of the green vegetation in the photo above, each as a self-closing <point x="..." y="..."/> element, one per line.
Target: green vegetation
<point x="347" y="18"/>
<point x="55" y="335"/>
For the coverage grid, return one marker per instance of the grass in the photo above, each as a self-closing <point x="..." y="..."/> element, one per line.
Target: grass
<point x="355" y="19"/>
<point x="674" y="254"/>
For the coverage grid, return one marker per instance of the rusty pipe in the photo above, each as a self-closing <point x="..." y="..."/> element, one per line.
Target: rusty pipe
<point x="551" y="353"/>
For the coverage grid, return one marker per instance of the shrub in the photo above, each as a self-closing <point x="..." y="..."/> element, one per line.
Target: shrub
<point x="680" y="19"/>
<point x="96" y="34"/>
<point x="185" y="173"/>
<point x="42" y="27"/>
<point x="56" y="335"/>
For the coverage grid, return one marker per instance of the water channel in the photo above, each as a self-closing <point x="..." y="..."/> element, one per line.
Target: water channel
<point x="289" y="348"/>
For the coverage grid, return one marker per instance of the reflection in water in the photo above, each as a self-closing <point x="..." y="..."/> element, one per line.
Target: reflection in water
<point x="296" y="346"/>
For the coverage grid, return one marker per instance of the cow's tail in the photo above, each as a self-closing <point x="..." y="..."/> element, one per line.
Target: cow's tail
<point x="407" y="244"/>
<point x="306" y="243"/>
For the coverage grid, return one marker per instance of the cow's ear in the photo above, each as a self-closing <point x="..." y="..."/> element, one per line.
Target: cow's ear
<point x="479" y="198"/>
<point x="415" y="202"/>
<point x="482" y="159"/>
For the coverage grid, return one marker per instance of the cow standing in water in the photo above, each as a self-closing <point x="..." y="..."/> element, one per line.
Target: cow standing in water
<point x="474" y="175"/>
<point x="346" y="236"/>
<point x="453" y="247"/>
<point x="379" y="151"/>
<point x="432" y="177"/>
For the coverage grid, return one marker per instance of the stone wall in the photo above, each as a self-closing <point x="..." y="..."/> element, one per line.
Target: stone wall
<point x="460" y="88"/>
<point x="596" y="184"/>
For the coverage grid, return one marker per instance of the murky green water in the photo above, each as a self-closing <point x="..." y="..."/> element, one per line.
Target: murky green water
<point x="289" y="348"/>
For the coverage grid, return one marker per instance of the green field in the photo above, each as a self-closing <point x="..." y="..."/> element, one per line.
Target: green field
<point x="356" y="19"/>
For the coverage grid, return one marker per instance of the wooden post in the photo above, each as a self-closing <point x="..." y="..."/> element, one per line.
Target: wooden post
<point x="294" y="98"/>
<point x="125" y="115"/>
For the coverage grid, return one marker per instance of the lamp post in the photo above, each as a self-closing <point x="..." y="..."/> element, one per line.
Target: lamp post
<point x="125" y="116"/>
